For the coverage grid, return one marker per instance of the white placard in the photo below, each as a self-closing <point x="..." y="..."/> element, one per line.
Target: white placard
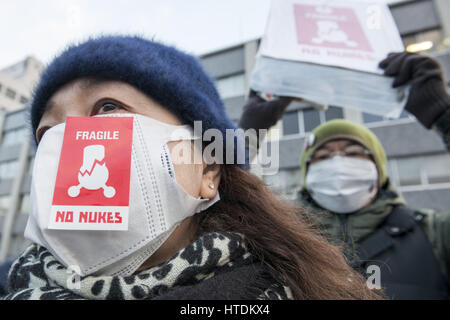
<point x="353" y="34"/>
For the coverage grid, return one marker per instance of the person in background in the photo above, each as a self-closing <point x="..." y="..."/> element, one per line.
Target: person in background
<point x="225" y="250"/>
<point x="350" y="197"/>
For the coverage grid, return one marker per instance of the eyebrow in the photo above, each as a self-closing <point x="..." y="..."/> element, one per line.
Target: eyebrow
<point x="87" y="84"/>
<point x="349" y="143"/>
<point x="91" y="83"/>
<point x="49" y="106"/>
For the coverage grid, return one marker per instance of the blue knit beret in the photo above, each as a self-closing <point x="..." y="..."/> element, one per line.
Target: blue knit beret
<point x="174" y="79"/>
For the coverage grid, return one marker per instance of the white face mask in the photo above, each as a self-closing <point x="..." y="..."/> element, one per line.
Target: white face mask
<point x="342" y="184"/>
<point x="157" y="203"/>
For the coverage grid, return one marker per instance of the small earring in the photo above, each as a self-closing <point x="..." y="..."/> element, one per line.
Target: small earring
<point x="211" y="185"/>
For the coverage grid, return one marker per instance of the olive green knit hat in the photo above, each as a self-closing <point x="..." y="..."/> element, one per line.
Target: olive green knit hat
<point x="344" y="129"/>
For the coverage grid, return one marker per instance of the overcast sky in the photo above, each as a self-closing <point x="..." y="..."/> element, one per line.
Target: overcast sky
<point x="43" y="28"/>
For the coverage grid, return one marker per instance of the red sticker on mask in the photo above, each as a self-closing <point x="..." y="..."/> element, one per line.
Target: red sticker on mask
<point x="93" y="181"/>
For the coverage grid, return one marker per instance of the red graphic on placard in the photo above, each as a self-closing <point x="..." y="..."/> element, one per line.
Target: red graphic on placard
<point x="95" y="161"/>
<point x="329" y="27"/>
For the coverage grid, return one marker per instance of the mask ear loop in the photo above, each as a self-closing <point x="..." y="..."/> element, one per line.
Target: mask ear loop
<point x="186" y="133"/>
<point x="181" y="133"/>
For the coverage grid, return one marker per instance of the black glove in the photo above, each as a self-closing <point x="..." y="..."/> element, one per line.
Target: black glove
<point x="428" y="99"/>
<point x="261" y="114"/>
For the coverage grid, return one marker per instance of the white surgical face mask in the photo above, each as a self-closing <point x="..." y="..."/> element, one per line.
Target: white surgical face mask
<point x="342" y="184"/>
<point x="157" y="203"/>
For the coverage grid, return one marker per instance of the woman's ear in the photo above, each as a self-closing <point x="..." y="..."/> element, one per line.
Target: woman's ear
<point x="210" y="181"/>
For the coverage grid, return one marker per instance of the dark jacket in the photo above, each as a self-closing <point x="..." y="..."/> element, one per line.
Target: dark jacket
<point x="355" y="229"/>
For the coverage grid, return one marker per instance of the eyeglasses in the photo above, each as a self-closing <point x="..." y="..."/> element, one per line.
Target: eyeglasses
<point x="352" y="151"/>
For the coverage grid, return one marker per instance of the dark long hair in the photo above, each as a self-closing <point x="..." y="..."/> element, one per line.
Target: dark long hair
<point x="281" y="235"/>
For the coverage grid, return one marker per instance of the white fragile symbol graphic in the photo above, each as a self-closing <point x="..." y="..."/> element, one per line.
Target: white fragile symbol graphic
<point x="93" y="174"/>
<point x="329" y="31"/>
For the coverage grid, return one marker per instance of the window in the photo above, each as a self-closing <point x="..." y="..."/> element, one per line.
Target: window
<point x="4" y="203"/>
<point x="305" y="120"/>
<point x="409" y="171"/>
<point x="10" y="93"/>
<point x="437" y="169"/>
<point x="407" y="40"/>
<point x="17" y="117"/>
<point x="232" y="86"/>
<point x="333" y="113"/>
<point x="23" y="99"/>
<point x="311" y="119"/>
<point x="435" y="36"/>
<point x="370" y="118"/>
<point x="8" y="169"/>
<point x="16" y="136"/>
<point x="290" y="123"/>
<point x="424" y="170"/>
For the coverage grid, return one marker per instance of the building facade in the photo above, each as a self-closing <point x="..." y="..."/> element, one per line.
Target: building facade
<point x="418" y="162"/>
<point x="17" y="81"/>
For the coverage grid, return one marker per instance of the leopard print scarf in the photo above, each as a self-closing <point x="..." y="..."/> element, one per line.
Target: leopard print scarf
<point x="216" y="266"/>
